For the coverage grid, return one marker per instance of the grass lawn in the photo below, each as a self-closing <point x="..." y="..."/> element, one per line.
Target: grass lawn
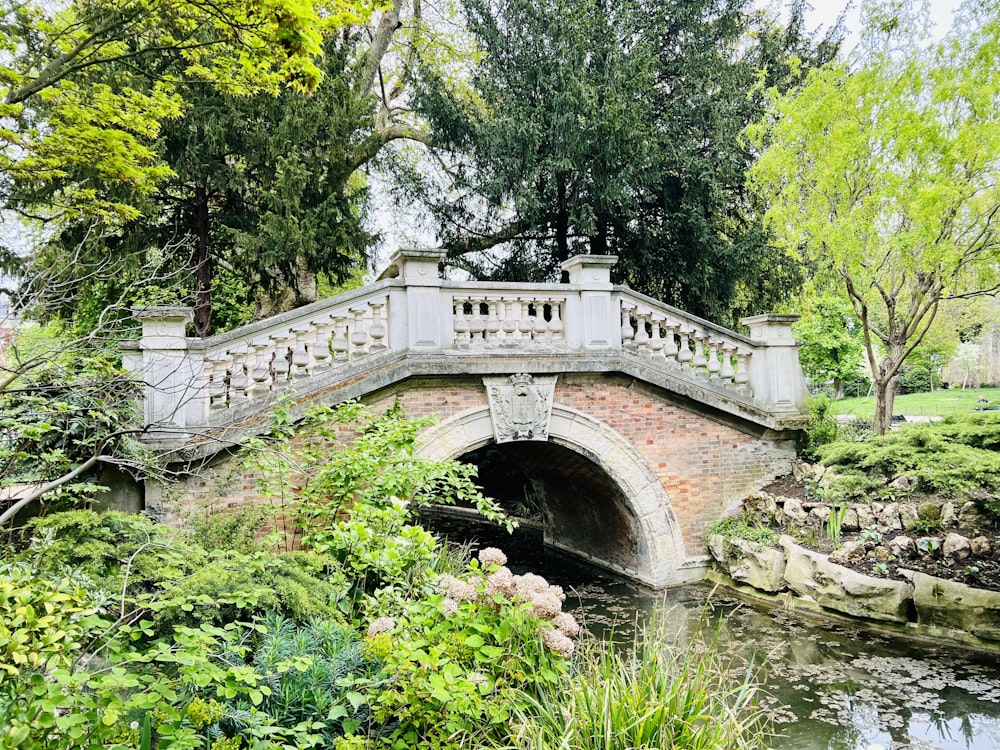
<point x="938" y="403"/>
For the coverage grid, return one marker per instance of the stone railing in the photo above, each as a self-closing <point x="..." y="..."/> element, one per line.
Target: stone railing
<point x="192" y="383"/>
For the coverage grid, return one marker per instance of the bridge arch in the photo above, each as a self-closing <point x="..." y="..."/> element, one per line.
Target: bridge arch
<point x="643" y="517"/>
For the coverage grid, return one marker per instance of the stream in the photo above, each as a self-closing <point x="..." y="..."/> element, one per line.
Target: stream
<point x="829" y="685"/>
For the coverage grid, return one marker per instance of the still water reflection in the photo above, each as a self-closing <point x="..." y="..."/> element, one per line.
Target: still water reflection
<point x="831" y="686"/>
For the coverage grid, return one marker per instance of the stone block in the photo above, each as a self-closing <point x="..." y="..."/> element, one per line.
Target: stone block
<point x="756" y="565"/>
<point x="812" y="575"/>
<point x="956" y="606"/>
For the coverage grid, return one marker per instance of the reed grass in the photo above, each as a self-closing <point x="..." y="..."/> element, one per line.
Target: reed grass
<point x="656" y="693"/>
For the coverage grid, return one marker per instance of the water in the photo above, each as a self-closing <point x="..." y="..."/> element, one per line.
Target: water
<point x="830" y="686"/>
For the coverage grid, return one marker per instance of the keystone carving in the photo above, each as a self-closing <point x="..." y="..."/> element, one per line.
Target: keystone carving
<point x="520" y="406"/>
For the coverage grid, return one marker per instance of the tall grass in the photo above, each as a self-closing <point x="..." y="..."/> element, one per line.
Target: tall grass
<point x="657" y="693"/>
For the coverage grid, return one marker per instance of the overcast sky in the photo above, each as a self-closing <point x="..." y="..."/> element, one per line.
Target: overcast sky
<point x="825" y="13"/>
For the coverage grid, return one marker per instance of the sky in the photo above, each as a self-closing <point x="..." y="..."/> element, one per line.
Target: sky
<point x="825" y="13"/>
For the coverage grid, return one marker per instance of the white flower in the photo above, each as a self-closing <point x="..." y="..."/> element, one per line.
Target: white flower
<point x="449" y="607"/>
<point x="492" y="556"/>
<point x="544" y="605"/>
<point x="557" y="641"/>
<point x="566" y="623"/>
<point x="381" y="625"/>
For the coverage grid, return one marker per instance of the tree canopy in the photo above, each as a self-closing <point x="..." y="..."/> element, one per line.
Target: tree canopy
<point x="614" y="128"/>
<point x="85" y="85"/>
<point x="885" y="171"/>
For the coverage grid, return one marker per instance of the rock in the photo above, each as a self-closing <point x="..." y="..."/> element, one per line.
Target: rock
<point x="969" y="516"/>
<point x="756" y="565"/>
<point x="803" y="470"/>
<point x="955" y="606"/>
<point x="877" y="508"/>
<point x="866" y="516"/>
<point x="793" y="511"/>
<point x="819" y="515"/>
<point x="762" y="502"/>
<point x="881" y="554"/>
<point x="812" y="575"/>
<point x="928" y="546"/>
<point x="717" y="547"/>
<point x="888" y="519"/>
<point x="853" y="550"/>
<point x="981" y="546"/>
<point x="851" y="522"/>
<point x="902" y="546"/>
<point x="902" y="484"/>
<point x="948" y="514"/>
<point x="908" y="515"/>
<point x="955" y="547"/>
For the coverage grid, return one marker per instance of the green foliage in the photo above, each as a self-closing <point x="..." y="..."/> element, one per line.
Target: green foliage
<point x="917" y="379"/>
<point x="614" y="128"/>
<point x="883" y="174"/>
<point x="747" y="526"/>
<point x="61" y="405"/>
<point x="658" y="693"/>
<point x="76" y="103"/>
<point x="830" y="341"/>
<point x="822" y="427"/>
<point x="834" y="523"/>
<point x="956" y="457"/>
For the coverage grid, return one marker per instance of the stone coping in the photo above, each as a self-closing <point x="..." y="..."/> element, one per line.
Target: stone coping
<point x="921" y="606"/>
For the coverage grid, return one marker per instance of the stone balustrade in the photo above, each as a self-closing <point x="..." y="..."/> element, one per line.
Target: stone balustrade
<point x="413" y="312"/>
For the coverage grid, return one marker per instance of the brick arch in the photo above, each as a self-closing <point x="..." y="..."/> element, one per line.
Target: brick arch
<point x="660" y="553"/>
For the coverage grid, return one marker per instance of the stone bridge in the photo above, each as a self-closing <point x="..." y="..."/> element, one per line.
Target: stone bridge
<point x="637" y="424"/>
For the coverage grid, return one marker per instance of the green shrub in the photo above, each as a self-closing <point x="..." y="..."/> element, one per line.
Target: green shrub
<point x="822" y="427"/>
<point x="917" y="379"/>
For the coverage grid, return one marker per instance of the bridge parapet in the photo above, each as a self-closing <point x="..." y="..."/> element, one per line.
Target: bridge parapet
<point x="411" y="312"/>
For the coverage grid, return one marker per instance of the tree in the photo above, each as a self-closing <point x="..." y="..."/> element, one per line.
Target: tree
<point x="71" y="103"/>
<point x="612" y="128"/>
<point x="830" y="344"/>
<point x="265" y="192"/>
<point x="886" y="171"/>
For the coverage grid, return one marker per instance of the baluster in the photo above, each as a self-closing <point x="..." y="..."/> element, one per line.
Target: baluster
<point x="301" y="344"/>
<point x="727" y="372"/>
<point x="280" y="365"/>
<point x="684" y="355"/>
<point x="656" y="342"/>
<point x="670" y="344"/>
<point x="217" y="388"/>
<point x="556" y="324"/>
<point x="238" y="380"/>
<point x="742" y="378"/>
<point x="492" y="319"/>
<point x="627" y="332"/>
<point x="713" y="360"/>
<point x="321" y="346"/>
<point x="460" y="323"/>
<point x="260" y="370"/>
<point x="359" y="337"/>
<point x="524" y="323"/>
<point x="540" y="325"/>
<point x="378" y="329"/>
<point x="509" y="324"/>
<point x="339" y="345"/>
<point x="700" y="360"/>
<point x="477" y="325"/>
<point x="641" y="335"/>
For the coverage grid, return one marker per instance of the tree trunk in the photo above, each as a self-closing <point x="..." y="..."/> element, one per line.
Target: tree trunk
<point x="838" y="389"/>
<point x="562" y="224"/>
<point x="886" y="384"/>
<point x="202" y="266"/>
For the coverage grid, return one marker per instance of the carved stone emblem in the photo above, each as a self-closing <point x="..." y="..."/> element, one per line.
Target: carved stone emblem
<point x="520" y="406"/>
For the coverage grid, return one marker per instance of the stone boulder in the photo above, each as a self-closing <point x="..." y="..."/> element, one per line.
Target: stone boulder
<point x="970" y="517"/>
<point x="955" y="606"/>
<point x="908" y="516"/>
<point x="902" y="546"/>
<point x="848" y="551"/>
<point x="717" y="548"/>
<point x="794" y="513"/>
<point x="851" y="521"/>
<point x="955" y="547"/>
<point x="866" y="516"/>
<point x="948" y="516"/>
<point x="756" y="565"/>
<point x="981" y="546"/>
<point x="812" y="575"/>
<point x="888" y="519"/>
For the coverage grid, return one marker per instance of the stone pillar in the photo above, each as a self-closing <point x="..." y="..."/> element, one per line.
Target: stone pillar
<point x="175" y="396"/>
<point x="776" y="377"/>
<point x="427" y="327"/>
<point x="594" y="324"/>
